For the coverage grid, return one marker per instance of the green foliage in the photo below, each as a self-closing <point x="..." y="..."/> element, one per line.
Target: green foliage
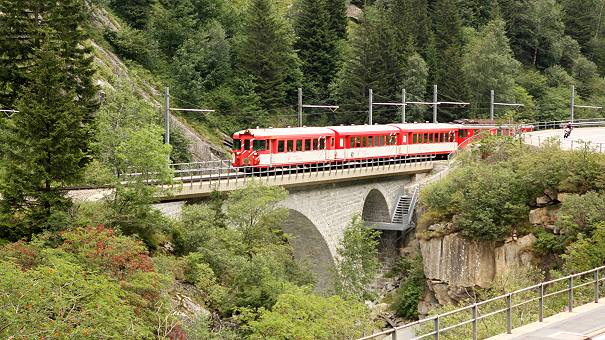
<point x="135" y="12"/>
<point x="264" y="51"/>
<point x="357" y="264"/>
<point x="587" y="252"/>
<point x="411" y="287"/>
<point x="45" y="145"/>
<point x="60" y="299"/>
<point x="298" y="314"/>
<point x="489" y="64"/>
<point x="579" y="214"/>
<point x="239" y="258"/>
<point x="95" y="284"/>
<point x="317" y="46"/>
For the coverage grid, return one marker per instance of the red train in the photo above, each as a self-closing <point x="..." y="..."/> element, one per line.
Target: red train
<point x="269" y="148"/>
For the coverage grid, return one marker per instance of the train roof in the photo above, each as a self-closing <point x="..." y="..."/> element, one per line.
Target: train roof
<point x="286" y="132"/>
<point x="426" y="126"/>
<point x="363" y="129"/>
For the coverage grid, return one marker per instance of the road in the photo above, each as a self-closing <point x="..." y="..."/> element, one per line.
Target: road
<point x="585" y="322"/>
<point x="596" y="137"/>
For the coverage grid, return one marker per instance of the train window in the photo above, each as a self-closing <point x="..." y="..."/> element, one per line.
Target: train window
<point x="322" y="143"/>
<point x="237" y="144"/>
<point x="299" y="144"/>
<point x="280" y="146"/>
<point x="308" y="145"/>
<point x="315" y="144"/>
<point x="342" y="142"/>
<point x="381" y="141"/>
<point x="393" y="140"/>
<point x="290" y="146"/>
<point x="259" y="145"/>
<point x="247" y="144"/>
<point x="371" y="141"/>
<point x="405" y="139"/>
<point x="364" y="142"/>
<point x="414" y="138"/>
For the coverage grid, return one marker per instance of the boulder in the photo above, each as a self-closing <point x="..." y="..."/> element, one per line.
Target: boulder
<point x="545" y="215"/>
<point x="552" y="193"/>
<point x="543" y="201"/>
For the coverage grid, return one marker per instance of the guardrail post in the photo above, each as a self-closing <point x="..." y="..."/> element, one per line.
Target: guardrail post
<point x="570" y="294"/>
<point x="509" y="314"/>
<point x="436" y="328"/>
<point x="394" y="335"/>
<point x="474" y="310"/>
<point x="596" y="286"/>
<point x="541" y="310"/>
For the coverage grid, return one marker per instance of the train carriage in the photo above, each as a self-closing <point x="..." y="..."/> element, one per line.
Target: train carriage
<point x="269" y="148"/>
<point x="266" y="148"/>
<point x="365" y="141"/>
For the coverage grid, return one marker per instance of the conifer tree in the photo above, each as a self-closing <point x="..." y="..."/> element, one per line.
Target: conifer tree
<point x="317" y="48"/>
<point x="447" y="68"/>
<point x="265" y="52"/>
<point x="23" y="24"/>
<point x="337" y="18"/>
<point x="135" y="12"/>
<point x="43" y="146"/>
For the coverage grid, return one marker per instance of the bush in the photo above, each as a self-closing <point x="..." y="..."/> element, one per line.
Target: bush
<point x="411" y="288"/>
<point x="297" y="314"/>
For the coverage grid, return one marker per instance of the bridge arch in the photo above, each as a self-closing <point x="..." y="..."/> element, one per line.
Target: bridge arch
<point x="375" y="207"/>
<point x="309" y="246"/>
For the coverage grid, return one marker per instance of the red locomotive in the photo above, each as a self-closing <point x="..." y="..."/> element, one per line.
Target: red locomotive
<point x="270" y="148"/>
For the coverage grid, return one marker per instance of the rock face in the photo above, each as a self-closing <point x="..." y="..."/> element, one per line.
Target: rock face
<point x="454" y="266"/>
<point x="544" y="216"/>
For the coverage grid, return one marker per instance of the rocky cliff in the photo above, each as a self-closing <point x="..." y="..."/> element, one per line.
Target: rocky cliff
<point x="454" y="266"/>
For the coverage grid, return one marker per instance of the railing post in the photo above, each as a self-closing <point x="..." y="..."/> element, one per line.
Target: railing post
<point x="541" y="310"/>
<point x="509" y="314"/>
<point x="436" y="328"/>
<point x="394" y="335"/>
<point x="570" y="294"/>
<point x="596" y="286"/>
<point x="474" y="310"/>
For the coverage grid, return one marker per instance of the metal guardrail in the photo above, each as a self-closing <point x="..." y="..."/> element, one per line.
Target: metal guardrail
<point x="537" y="293"/>
<point x="559" y="124"/>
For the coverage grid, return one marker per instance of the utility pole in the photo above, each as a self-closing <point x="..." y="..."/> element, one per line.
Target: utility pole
<point x="370" y="96"/>
<point x="573" y="100"/>
<point x="492" y="105"/>
<point x="573" y="103"/>
<point x="403" y="104"/>
<point x="301" y="106"/>
<point x="435" y="104"/>
<point x="167" y="114"/>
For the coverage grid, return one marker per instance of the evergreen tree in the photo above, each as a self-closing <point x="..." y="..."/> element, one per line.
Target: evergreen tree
<point x="43" y="146"/>
<point x="377" y="61"/>
<point x="135" y="12"/>
<point x="316" y="48"/>
<point x="265" y="52"/>
<point x="337" y="18"/>
<point x="490" y="64"/>
<point x="411" y="22"/>
<point x="23" y="24"/>
<point x="447" y="70"/>
<point x="172" y="23"/>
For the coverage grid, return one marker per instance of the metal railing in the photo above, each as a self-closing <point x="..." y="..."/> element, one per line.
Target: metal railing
<point x="582" y="287"/>
<point x="215" y="174"/>
<point x="559" y="124"/>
